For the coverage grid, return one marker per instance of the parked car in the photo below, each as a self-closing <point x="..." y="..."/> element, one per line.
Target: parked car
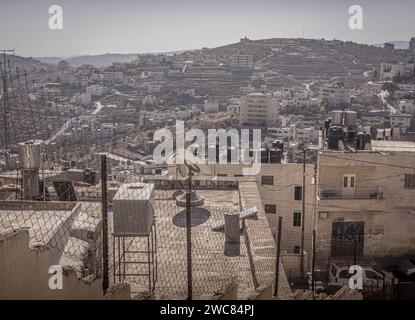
<point x="407" y="267"/>
<point x="373" y="277"/>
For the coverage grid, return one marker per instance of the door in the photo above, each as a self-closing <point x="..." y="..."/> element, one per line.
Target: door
<point x="349" y="186"/>
<point x="347" y="239"/>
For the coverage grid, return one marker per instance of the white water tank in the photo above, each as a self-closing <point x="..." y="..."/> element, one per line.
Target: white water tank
<point x="30" y="154"/>
<point x="337" y="118"/>
<point x="133" y="206"/>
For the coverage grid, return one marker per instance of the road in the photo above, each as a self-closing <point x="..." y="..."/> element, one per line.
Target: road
<point x="383" y="96"/>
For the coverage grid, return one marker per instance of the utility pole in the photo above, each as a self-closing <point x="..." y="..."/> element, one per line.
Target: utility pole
<point x="189" y="236"/>
<point x="104" y="210"/>
<point x="313" y="264"/>
<point x="303" y="217"/>
<point x="5" y="105"/>
<point x="277" y="260"/>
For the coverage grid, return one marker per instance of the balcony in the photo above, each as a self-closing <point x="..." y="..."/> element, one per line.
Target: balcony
<point x="357" y="200"/>
<point x="361" y="193"/>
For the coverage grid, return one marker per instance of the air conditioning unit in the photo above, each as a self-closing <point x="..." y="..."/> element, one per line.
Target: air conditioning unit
<point x="133" y="206"/>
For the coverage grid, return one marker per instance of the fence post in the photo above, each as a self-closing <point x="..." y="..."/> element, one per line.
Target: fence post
<point x="189" y="237"/>
<point x="104" y="211"/>
<point x="277" y="260"/>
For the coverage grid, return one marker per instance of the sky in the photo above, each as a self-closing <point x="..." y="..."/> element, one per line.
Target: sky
<point x="137" y="26"/>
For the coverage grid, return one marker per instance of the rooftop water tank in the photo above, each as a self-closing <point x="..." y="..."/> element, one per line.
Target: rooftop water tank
<point x="30" y="154"/>
<point x="350" y="118"/>
<point x="133" y="210"/>
<point x="337" y="118"/>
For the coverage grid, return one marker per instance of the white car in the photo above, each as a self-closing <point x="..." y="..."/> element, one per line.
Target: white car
<point x="339" y="274"/>
<point x="407" y="267"/>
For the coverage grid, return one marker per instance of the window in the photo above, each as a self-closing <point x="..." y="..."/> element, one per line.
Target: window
<point x="344" y="274"/>
<point x="267" y="180"/>
<point x="222" y="175"/>
<point x="372" y="275"/>
<point x="297" y="219"/>
<point x="271" y="208"/>
<point x="298" y="193"/>
<point x="409" y="181"/>
<point x="297" y="249"/>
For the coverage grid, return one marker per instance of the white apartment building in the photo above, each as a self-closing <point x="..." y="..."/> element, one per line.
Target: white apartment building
<point x="242" y="61"/>
<point x="211" y="106"/>
<point x="335" y="95"/>
<point x="260" y="109"/>
<point x="388" y="70"/>
<point x="407" y="106"/>
<point x="366" y="203"/>
<point x="84" y="99"/>
<point x="95" y="90"/>
<point x="113" y="76"/>
<point x="401" y="120"/>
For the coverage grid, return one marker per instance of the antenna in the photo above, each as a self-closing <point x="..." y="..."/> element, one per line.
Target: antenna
<point x="5" y="103"/>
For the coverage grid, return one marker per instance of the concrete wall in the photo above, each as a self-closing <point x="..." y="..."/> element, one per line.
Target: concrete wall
<point x="292" y="264"/>
<point x="389" y="221"/>
<point x="24" y="274"/>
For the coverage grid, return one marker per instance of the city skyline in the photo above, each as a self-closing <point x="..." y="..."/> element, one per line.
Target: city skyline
<point x="160" y="26"/>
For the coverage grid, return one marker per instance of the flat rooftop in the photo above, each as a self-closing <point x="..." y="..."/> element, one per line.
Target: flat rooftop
<point x="213" y="272"/>
<point x="405" y="146"/>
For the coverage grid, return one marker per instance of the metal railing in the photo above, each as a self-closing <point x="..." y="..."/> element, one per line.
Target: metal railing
<point x="358" y="193"/>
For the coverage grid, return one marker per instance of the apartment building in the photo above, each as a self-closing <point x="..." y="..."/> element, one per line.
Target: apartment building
<point x="365" y="202"/>
<point x="388" y="70"/>
<point x="95" y="90"/>
<point x="113" y="76"/>
<point x="242" y="61"/>
<point x="335" y="95"/>
<point x="259" y="109"/>
<point x="211" y="106"/>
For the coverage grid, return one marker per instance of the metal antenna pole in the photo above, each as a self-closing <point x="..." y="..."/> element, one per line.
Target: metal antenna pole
<point x="303" y="217"/>
<point x="5" y="104"/>
<point x="189" y="237"/>
<point x="277" y="261"/>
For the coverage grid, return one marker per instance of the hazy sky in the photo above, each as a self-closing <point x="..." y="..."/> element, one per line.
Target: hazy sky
<point x="130" y="26"/>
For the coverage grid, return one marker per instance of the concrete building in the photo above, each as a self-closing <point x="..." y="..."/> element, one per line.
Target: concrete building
<point x="388" y="70"/>
<point x="259" y="109"/>
<point x="401" y="120"/>
<point x="95" y="90"/>
<point x="365" y="202"/>
<point x="211" y="106"/>
<point x="243" y="61"/>
<point x="412" y="45"/>
<point x="335" y="95"/>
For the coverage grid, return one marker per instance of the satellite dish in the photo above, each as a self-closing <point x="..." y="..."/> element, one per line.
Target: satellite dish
<point x="192" y="166"/>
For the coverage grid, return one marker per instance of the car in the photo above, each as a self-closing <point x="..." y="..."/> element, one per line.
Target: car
<point x="407" y="267"/>
<point x="374" y="277"/>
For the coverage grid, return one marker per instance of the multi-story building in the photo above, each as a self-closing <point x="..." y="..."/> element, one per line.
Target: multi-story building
<point x="95" y="90"/>
<point x="211" y="106"/>
<point x="365" y="202"/>
<point x="242" y="61"/>
<point x="335" y="95"/>
<point x="388" y="70"/>
<point x="259" y="109"/>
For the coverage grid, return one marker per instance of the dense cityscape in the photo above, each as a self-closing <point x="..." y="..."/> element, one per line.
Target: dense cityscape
<point x="89" y="211"/>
